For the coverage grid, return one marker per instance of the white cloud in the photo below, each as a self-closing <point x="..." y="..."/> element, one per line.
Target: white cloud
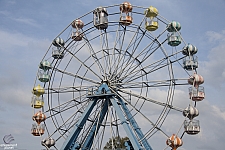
<point x="215" y="36"/>
<point x="5" y="13"/>
<point x="27" y="21"/>
<point x="12" y="40"/>
<point x="11" y="2"/>
<point x="16" y="41"/>
<point x="211" y="123"/>
<point x="17" y="20"/>
<point x="213" y="69"/>
<point x="20" y="60"/>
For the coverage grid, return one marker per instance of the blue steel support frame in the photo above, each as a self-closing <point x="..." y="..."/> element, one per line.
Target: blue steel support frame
<point x="104" y="92"/>
<point x="126" y="127"/>
<point x="70" y="141"/>
<point x="135" y="126"/>
<point x="88" y="142"/>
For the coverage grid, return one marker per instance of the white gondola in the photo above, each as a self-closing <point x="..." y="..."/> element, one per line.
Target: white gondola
<point x="192" y="126"/>
<point x="77" y="34"/>
<point x="196" y="80"/>
<point x="48" y="142"/>
<point x="38" y="130"/>
<point x="190" y="112"/>
<point x="43" y="76"/>
<point x="100" y="18"/>
<point x="174" y="39"/>
<point x="189" y="49"/>
<point x="57" y="51"/>
<point x="43" y="73"/>
<point x="190" y="63"/>
<point x="197" y="93"/>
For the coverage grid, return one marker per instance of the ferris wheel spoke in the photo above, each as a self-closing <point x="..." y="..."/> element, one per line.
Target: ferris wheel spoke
<point x="109" y="56"/>
<point x="91" y="51"/>
<point x="67" y="89"/>
<point x="62" y="129"/>
<point x="61" y="109"/>
<point x="94" y="56"/>
<point x="83" y="63"/>
<point x="133" y="70"/>
<point x="132" y="47"/>
<point x="154" y="126"/>
<point x="121" y="39"/>
<point x="55" y="112"/>
<point x="150" y="100"/>
<point x="105" y="54"/>
<point x="72" y="122"/>
<point x="77" y="76"/>
<point x="153" y="67"/>
<point x="66" y="106"/>
<point x="153" y="45"/>
<point x="145" y="53"/>
<point x="157" y="83"/>
<point x="121" y="67"/>
<point x="142" y="71"/>
<point x="130" y="55"/>
<point x="104" y="49"/>
<point x="134" y="39"/>
<point x="122" y="53"/>
<point x="117" y="41"/>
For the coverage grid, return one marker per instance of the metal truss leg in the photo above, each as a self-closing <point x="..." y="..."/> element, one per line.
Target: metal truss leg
<point x="126" y="126"/>
<point x="134" y="125"/>
<point x="88" y="142"/>
<point x="69" y="143"/>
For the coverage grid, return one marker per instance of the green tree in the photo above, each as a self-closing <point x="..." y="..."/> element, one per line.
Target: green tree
<point x="117" y="142"/>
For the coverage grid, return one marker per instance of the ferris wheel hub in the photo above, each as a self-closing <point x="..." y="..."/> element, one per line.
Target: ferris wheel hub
<point x="102" y="92"/>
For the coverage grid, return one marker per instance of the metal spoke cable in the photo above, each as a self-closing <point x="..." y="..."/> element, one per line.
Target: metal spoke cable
<point x="130" y="43"/>
<point x="93" y="55"/>
<point x="151" y="100"/>
<point x="84" y="64"/>
<point x="139" y="112"/>
<point x="77" y="76"/>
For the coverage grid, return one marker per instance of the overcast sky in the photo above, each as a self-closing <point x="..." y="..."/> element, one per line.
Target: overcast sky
<point x="27" y="28"/>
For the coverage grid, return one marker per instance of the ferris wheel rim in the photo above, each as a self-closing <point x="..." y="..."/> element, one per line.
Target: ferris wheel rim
<point x="99" y="50"/>
<point x="125" y="77"/>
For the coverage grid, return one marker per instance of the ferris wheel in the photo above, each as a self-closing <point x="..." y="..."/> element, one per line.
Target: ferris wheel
<point x="113" y="73"/>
